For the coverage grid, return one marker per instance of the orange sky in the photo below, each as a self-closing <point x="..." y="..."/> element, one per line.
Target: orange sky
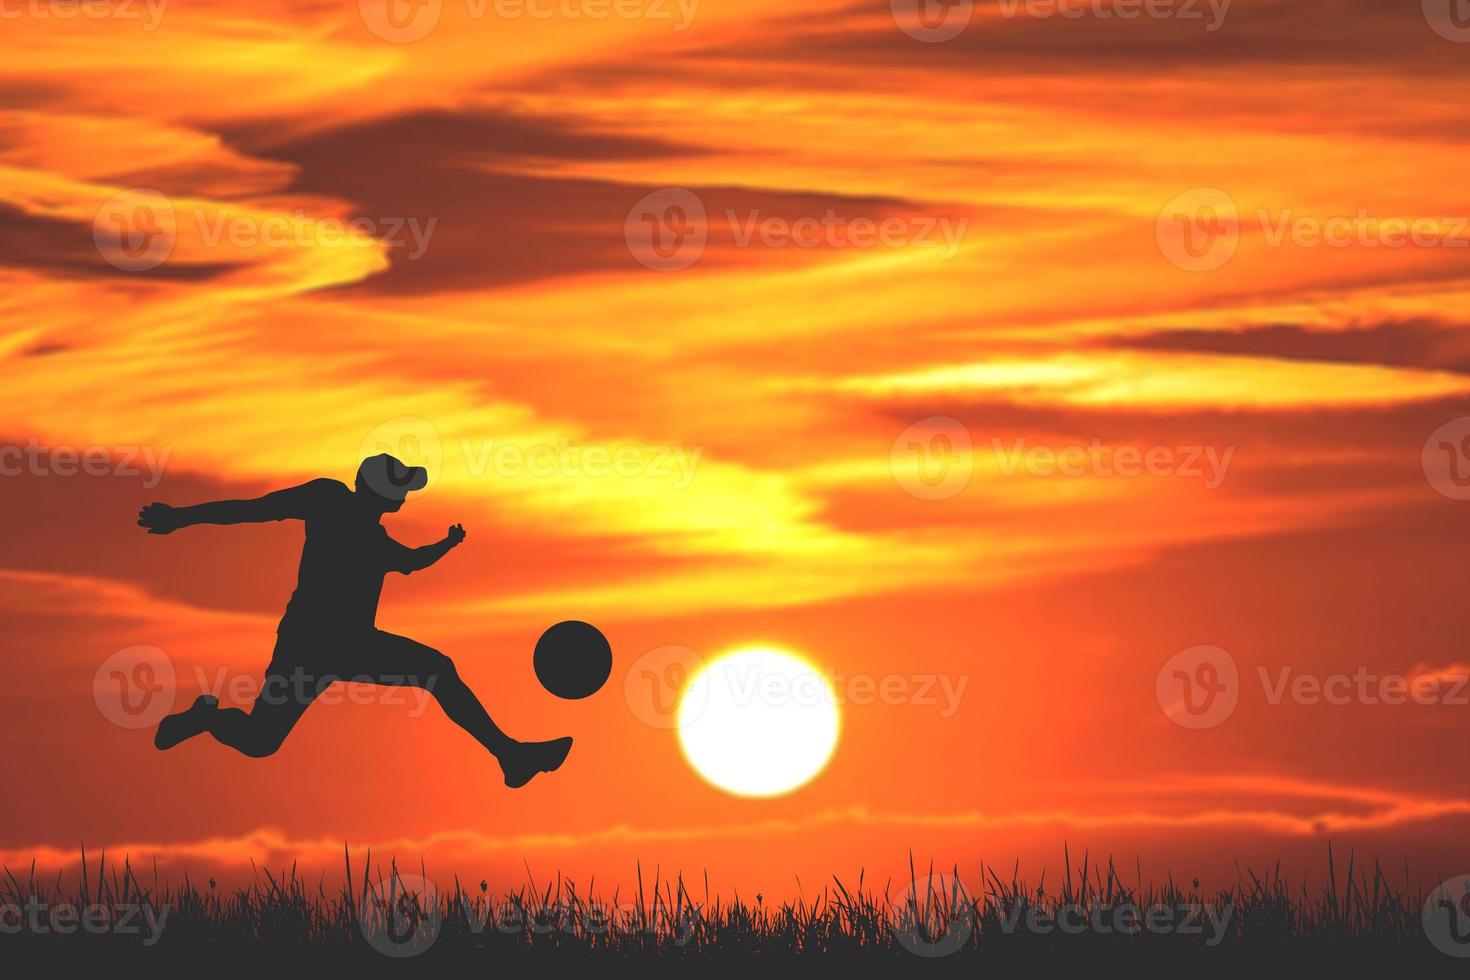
<point x="496" y="308"/>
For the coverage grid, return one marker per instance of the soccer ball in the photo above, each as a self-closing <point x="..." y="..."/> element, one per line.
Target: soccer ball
<point x="573" y="659"/>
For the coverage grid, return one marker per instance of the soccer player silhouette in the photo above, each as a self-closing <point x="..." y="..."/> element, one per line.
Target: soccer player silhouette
<point x="328" y="633"/>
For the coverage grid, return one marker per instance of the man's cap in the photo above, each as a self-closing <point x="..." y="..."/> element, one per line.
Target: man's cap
<point x="387" y="476"/>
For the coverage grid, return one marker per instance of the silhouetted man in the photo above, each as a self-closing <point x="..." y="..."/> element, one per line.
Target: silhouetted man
<point x="328" y="633"/>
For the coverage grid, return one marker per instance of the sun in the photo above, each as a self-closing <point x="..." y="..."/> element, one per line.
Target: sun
<point x="758" y="721"/>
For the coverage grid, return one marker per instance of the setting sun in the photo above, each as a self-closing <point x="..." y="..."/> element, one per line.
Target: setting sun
<point x="758" y="722"/>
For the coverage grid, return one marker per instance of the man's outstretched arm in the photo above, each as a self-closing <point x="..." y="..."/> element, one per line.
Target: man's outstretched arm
<point x="417" y="559"/>
<point x="278" y="506"/>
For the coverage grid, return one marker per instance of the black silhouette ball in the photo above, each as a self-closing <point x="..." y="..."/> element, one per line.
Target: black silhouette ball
<point x="573" y="659"/>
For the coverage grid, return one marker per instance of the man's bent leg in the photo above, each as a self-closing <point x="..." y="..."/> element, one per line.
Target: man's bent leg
<point x="259" y="733"/>
<point x="285" y="694"/>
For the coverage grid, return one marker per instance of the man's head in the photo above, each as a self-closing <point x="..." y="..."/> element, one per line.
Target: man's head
<point x="391" y="479"/>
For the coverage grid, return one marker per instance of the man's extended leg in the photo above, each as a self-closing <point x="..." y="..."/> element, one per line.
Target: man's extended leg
<point x="397" y="661"/>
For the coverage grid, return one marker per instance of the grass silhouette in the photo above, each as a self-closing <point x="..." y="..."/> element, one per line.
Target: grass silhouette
<point x="385" y="917"/>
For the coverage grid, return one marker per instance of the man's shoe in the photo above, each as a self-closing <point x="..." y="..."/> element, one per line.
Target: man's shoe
<point x="186" y="724"/>
<point x="526" y="759"/>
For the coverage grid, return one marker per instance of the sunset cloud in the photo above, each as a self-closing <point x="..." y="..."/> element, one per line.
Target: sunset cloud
<point x="260" y="241"/>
